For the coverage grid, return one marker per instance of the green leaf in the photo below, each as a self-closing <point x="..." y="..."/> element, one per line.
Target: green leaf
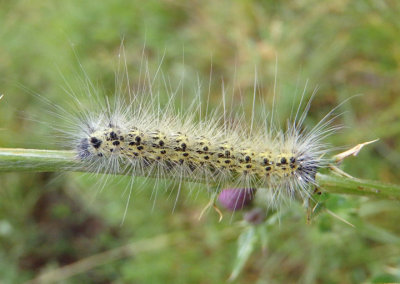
<point x="246" y="244"/>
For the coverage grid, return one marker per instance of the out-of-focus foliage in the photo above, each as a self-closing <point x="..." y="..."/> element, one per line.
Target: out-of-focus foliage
<point x="344" y="47"/>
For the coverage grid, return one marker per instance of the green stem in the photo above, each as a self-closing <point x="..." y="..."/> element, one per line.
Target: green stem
<point x="344" y="185"/>
<point x="32" y="160"/>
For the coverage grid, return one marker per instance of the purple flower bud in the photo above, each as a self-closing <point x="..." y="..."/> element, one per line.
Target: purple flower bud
<point x="255" y="216"/>
<point x="235" y="199"/>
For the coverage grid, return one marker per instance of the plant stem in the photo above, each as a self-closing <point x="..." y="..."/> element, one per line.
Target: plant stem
<point x="33" y="160"/>
<point x="345" y="185"/>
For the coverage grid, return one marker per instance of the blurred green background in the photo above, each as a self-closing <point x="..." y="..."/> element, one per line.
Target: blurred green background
<point x="343" y="47"/>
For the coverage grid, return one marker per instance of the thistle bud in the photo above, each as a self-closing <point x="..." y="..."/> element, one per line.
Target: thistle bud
<point x="235" y="199"/>
<point x="255" y="216"/>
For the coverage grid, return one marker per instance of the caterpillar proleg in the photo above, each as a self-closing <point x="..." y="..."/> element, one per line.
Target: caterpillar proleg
<point x="134" y="133"/>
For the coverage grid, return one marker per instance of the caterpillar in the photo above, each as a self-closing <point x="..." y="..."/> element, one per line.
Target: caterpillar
<point x="137" y="135"/>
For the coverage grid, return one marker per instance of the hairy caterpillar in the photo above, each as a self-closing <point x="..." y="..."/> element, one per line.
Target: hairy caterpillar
<point x="137" y="135"/>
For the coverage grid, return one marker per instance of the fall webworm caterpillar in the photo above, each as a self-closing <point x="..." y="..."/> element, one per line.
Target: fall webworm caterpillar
<point x="138" y="135"/>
